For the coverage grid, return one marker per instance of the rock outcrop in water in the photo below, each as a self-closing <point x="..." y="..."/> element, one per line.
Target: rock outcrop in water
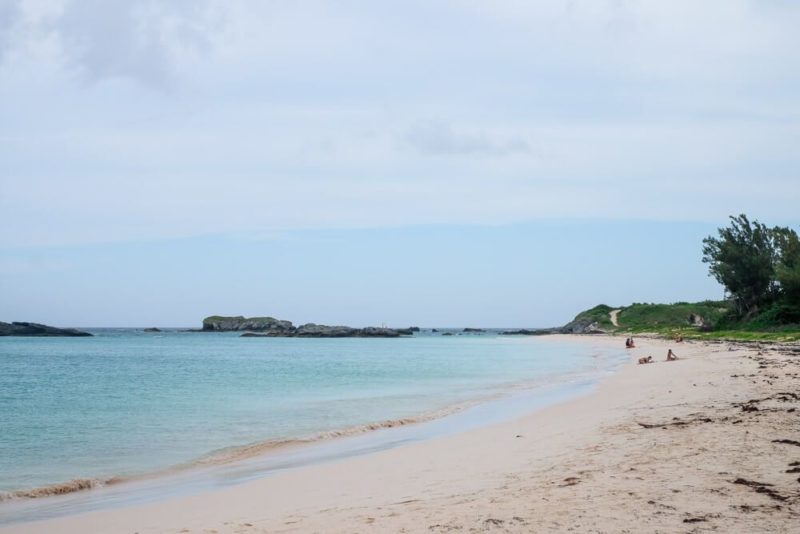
<point x="217" y="323"/>
<point x="582" y="326"/>
<point x="321" y="330"/>
<point x="36" y="329"/>
<point x="528" y="332"/>
<point x="577" y="326"/>
<point x="271" y="327"/>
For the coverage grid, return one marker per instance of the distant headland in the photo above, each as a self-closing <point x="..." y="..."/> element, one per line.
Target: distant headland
<point x="271" y="327"/>
<point x="36" y="329"/>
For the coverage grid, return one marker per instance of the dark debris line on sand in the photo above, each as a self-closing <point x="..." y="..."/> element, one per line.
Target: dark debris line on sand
<point x="765" y="415"/>
<point x="762" y="487"/>
<point x="787" y="441"/>
<point x="677" y="422"/>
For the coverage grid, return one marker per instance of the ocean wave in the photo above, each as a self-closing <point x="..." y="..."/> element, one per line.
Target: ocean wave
<point x="241" y="453"/>
<point x="230" y="455"/>
<point x="254" y="450"/>
<point x="62" y="488"/>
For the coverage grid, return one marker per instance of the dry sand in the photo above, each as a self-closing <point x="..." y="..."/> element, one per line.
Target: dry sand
<point x="686" y="446"/>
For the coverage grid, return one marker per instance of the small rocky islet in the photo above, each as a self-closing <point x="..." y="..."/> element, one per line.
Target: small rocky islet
<point x="271" y="327"/>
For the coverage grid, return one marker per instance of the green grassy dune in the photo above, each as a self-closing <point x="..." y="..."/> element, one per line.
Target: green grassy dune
<point x="674" y="319"/>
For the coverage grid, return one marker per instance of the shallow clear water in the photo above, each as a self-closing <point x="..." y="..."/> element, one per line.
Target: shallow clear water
<point x="127" y="402"/>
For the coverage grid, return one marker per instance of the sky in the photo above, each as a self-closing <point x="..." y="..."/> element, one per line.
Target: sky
<point x="502" y="163"/>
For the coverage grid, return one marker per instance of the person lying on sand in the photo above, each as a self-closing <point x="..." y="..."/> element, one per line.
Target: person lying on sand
<point x="648" y="359"/>
<point x="671" y="356"/>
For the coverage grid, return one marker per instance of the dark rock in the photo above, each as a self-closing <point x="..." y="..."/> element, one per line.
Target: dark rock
<point x="217" y="323"/>
<point x="154" y="329"/>
<point x="697" y="320"/>
<point x="582" y="326"/>
<point x="474" y="330"/>
<point x="271" y="327"/>
<point x="434" y="330"/>
<point x="35" y="329"/>
<point x="414" y="328"/>
<point x="447" y="334"/>
<point x="319" y="330"/>
<point x="375" y="331"/>
<point x="577" y="326"/>
<point x="406" y="331"/>
<point x="527" y="332"/>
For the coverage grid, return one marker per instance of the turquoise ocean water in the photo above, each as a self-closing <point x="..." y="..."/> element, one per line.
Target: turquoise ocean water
<point x="126" y="403"/>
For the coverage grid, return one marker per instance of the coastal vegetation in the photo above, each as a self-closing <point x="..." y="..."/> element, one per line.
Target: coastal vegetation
<point x="600" y="314"/>
<point x="760" y="270"/>
<point x="700" y="316"/>
<point x="758" y="266"/>
<point x="699" y="320"/>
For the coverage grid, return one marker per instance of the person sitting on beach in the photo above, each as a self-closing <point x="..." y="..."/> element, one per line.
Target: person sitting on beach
<point x="648" y="359"/>
<point x="629" y="343"/>
<point x="671" y="356"/>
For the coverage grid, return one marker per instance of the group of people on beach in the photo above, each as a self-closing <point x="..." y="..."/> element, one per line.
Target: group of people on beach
<point x="671" y="356"/>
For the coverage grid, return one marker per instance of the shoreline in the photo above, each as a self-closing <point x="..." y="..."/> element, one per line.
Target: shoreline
<point x="64" y="464"/>
<point x="503" y="473"/>
<point x="259" y="459"/>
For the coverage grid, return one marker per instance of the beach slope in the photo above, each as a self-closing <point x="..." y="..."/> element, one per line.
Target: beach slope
<point x="708" y="442"/>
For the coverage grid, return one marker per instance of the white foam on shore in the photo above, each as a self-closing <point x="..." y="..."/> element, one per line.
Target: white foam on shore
<point x="239" y="463"/>
<point x="234" y="454"/>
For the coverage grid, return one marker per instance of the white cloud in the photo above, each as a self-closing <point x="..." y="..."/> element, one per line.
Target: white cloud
<point x="437" y="138"/>
<point x="143" y="40"/>
<point x="9" y="16"/>
<point x="311" y="114"/>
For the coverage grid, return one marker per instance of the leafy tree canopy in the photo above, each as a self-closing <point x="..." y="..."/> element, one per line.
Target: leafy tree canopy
<point x="757" y="265"/>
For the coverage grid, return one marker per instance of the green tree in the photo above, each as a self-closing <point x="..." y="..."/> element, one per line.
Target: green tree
<point x="742" y="258"/>
<point x="787" y="269"/>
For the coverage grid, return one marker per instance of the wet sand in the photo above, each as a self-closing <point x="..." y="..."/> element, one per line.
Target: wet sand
<point x="708" y="442"/>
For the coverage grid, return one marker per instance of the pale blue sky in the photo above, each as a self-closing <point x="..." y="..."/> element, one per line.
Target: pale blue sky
<point x="160" y="161"/>
<point x="534" y="274"/>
